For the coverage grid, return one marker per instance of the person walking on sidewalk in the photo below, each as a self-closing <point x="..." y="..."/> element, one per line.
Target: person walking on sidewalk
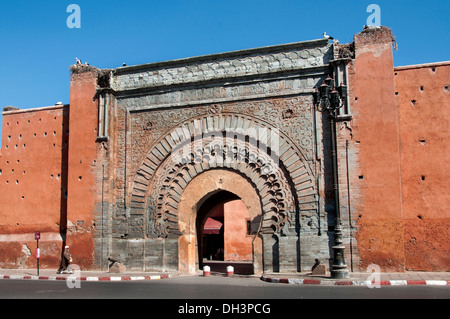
<point x="65" y="262"/>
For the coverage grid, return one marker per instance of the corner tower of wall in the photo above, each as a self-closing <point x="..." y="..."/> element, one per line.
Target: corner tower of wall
<point x="375" y="130"/>
<point x="83" y="174"/>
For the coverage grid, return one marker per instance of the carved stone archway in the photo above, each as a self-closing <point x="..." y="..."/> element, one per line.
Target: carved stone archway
<point x="270" y="163"/>
<point x="195" y="194"/>
<point x="177" y="171"/>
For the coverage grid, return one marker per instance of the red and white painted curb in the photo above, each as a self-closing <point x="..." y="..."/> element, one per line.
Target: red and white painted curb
<point x="294" y="281"/>
<point x="87" y="278"/>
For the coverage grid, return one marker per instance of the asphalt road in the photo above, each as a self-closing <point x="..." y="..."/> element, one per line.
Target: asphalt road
<point x="188" y="288"/>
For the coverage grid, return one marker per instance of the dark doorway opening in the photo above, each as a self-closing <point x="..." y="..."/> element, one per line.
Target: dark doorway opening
<point x="212" y="236"/>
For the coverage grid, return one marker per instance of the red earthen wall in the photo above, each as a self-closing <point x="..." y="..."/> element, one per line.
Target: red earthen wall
<point x="238" y="244"/>
<point x="83" y="184"/>
<point x="422" y="96"/>
<point x="49" y="187"/>
<point x="401" y="138"/>
<point x="376" y="128"/>
<point x="33" y="185"/>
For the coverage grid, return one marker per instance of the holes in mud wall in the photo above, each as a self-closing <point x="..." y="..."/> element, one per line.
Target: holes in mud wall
<point x="413" y="102"/>
<point x="446" y="88"/>
<point x="422" y="177"/>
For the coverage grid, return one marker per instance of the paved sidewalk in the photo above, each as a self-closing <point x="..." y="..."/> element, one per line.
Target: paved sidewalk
<point x="50" y="274"/>
<point x="382" y="279"/>
<point x="405" y="278"/>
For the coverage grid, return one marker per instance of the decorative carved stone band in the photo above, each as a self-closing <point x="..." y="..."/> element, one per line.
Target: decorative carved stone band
<point x="262" y="61"/>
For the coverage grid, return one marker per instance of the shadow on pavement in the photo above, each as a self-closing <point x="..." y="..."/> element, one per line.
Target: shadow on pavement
<point x="220" y="267"/>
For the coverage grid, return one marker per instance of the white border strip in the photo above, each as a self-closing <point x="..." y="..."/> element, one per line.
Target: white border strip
<point x="436" y="282"/>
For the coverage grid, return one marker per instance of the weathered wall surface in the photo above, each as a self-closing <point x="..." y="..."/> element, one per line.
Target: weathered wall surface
<point x="163" y="105"/>
<point x="47" y="186"/>
<point x="238" y="244"/>
<point x="398" y="178"/>
<point x="423" y="98"/>
<point x="85" y="174"/>
<point x="33" y="185"/>
<point x="378" y="210"/>
<point x="111" y="189"/>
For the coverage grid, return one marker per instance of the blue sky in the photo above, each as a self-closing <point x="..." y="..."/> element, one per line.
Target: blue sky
<point x="37" y="47"/>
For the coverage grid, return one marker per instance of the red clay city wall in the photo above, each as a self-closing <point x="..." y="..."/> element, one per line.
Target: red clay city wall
<point x="49" y="187"/>
<point x="33" y="177"/>
<point x="83" y="183"/>
<point x="401" y="140"/>
<point x="375" y="126"/>
<point x="422" y="94"/>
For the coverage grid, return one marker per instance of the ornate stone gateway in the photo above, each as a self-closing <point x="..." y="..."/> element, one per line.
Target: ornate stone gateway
<point x="242" y="122"/>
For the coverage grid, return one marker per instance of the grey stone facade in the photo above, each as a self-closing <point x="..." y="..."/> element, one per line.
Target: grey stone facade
<point x="154" y="108"/>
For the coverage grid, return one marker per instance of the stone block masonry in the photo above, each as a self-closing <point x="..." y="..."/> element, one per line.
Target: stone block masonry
<point x="238" y="92"/>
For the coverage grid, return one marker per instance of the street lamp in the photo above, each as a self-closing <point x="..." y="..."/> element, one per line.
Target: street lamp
<point x="331" y="99"/>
